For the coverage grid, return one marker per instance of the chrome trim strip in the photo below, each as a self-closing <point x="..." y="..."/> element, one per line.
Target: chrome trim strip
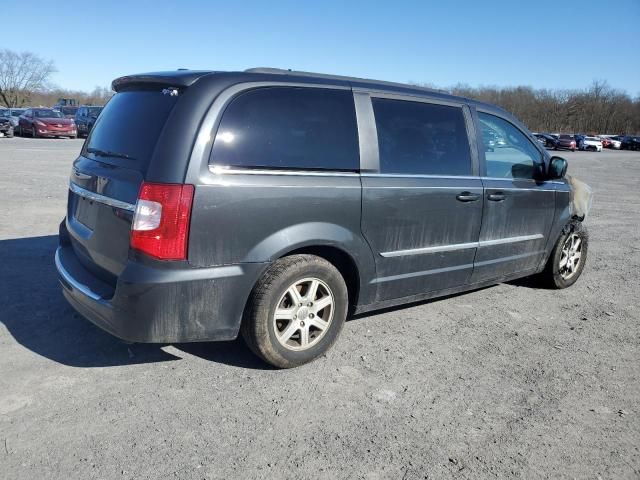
<point x="96" y="197"/>
<point x="421" y="274"/>
<point x="218" y="170"/>
<point x="459" y="177"/>
<point x="403" y="175"/>
<point x="461" y="246"/>
<point x="73" y="282"/>
<point x="507" y="259"/>
<point x="501" y="241"/>
<point x="439" y="248"/>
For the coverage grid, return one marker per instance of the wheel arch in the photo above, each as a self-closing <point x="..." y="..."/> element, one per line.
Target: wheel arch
<point x="345" y="249"/>
<point x="340" y="259"/>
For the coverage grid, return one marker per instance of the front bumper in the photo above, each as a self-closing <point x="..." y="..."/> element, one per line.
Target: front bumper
<point x="57" y="133"/>
<point x="151" y="305"/>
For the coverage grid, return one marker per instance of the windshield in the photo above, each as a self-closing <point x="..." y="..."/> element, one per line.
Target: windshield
<point x="94" y="111"/>
<point x="16" y="112"/>
<point x="46" y="114"/>
<point x="128" y="128"/>
<point x="4" y="112"/>
<point x="69" y="110"/>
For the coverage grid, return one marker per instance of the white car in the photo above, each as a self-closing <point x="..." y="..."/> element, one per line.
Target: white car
<point x="591" y="143"/>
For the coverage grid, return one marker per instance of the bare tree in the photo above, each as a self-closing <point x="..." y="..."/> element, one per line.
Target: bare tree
<point x="21" y="74"/>
<point x="597" y="109"/>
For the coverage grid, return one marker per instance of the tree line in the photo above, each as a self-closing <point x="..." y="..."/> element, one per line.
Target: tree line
<point x="599" y="109"/>
<point x="25" y="80"/>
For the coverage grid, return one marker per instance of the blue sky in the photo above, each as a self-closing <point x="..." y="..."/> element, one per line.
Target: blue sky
<point x="545" y="44"/>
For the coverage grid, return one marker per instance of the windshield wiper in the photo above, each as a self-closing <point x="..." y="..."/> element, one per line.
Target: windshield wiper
<point x="107" y="153"/>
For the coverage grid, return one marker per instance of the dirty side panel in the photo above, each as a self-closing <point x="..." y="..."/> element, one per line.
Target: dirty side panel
<point x="424" y="238"/>
<point x="515" y="229"/>
<point x="259" y="217"/>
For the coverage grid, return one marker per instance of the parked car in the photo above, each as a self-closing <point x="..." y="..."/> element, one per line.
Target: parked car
<point x="614" y="142"/>
<point x="6" y="129"/>
<point x="86" y="117"/>
<point x="591" y="143"/>
<point x="547" y="140"/>
<point x="45" y="122"/>
<point x="566" y="142"/>
<point x="272" y="203"/>
<point x="14" y="115"/>
<point x="67" y="112"/>
<point x="630" y="143"/>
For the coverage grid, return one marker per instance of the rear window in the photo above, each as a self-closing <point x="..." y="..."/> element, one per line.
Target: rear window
<point x="289" y="127"/>
<point x="417" y="138"/>
<point x="129" y="127"/>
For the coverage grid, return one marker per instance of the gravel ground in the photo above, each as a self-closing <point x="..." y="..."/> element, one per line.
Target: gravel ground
<point x="508" y="381"/>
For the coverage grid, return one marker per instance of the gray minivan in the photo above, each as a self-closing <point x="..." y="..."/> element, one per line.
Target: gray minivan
<point x="275" y="203"/>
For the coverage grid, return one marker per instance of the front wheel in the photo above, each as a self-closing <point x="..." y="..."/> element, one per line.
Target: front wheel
<point x="568" y="258"/>
<point x="296" y="311"/>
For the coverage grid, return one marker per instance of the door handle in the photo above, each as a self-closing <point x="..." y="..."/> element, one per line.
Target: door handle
<point x="467" y="197"/>
<point x="496" y="197"/>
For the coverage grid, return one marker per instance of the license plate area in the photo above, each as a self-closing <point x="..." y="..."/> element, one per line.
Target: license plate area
<point x="86" y="212"/>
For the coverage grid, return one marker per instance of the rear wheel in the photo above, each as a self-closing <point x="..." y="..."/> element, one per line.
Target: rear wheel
<point x="296" y="311"/>
<point x="568" y="258"/>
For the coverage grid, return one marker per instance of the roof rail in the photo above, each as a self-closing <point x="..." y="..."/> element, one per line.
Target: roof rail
<point x="282" y="71"/>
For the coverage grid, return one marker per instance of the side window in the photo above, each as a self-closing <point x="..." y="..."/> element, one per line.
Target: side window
<point x="421" y="138"/>
<point x="289" y="127"/>
<point x="508" y="152"/>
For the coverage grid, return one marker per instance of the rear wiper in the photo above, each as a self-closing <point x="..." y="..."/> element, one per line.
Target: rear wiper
<point x="107" y="153"/>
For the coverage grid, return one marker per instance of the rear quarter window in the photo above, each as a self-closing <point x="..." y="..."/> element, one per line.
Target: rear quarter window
<point x="288" y="128"/>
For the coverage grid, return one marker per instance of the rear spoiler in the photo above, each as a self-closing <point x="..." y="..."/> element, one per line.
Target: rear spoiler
<point x="176" y="78"/>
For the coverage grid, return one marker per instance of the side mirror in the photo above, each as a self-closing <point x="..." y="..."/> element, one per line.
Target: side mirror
<point x="557" y="168"/>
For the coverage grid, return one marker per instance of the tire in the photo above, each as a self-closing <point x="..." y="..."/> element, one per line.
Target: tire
<point x="555" y="274"/>
<point x="280" y="341"/>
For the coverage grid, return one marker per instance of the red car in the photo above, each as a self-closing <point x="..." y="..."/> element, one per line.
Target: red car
<point x="567" y="142"/>
<point x="44" y="122"/>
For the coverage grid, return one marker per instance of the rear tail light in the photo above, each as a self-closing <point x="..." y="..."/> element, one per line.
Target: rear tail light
<point x="160" y="226"/>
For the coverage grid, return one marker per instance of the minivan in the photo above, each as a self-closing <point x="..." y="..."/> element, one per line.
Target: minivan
<point x="273" y="204"/>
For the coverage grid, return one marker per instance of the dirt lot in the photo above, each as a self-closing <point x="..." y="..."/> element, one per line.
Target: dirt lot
<point x="508" y="381"/>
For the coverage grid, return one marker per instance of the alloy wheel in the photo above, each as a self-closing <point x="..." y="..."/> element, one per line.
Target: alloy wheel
<point x="303" y="314"/>
<point x="570" y="256"/>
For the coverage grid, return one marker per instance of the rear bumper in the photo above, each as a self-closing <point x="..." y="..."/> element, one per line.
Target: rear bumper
<point x="151" y="305"/>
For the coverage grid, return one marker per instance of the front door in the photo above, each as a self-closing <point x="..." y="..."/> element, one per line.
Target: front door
<point x="422" y="208"/>
<point x="518" y="209"/>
